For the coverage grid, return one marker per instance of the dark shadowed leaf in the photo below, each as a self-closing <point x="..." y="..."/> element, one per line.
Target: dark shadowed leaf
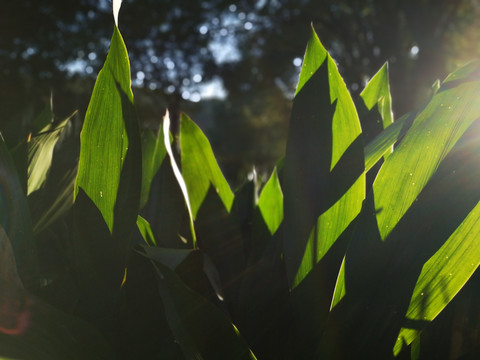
<point x="31" y="329"/>
<point x="15" y="218"/>
<point x="201" y="328"/>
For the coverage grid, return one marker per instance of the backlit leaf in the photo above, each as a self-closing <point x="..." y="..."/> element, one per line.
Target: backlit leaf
<point x="377" y="92"/>
<point x="40" y="153"/>
<point x="199" y="167"/>
<point x="324" y="172"/>
<point x="270" y="203"/>
<point x="108" y="131"/>
<point x="433" y="133"/>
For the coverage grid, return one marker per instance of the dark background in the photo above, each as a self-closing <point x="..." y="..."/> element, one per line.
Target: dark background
<point x="231" y="66"/>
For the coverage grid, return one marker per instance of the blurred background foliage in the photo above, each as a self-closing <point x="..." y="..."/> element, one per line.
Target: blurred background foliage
<point x="232" y="66"/>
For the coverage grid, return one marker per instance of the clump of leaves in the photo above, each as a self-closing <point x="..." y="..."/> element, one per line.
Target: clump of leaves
<point x="349" y="250"/>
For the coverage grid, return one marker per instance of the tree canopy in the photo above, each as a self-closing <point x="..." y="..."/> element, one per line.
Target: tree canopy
<point x="247" y="54"/>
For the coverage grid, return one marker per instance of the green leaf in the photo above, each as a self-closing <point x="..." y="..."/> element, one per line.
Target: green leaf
<point x="339" y="286"/>
<point x="109" y="133"/>
<point x="199" y="167"/>
<point x="40" y="153"/>
<point x="146" y="231"/>
<point x="178" y="175"/>
<point x="433" y="133"/>
<point x="107" y="188"/>
<point x="270" y="203"/>
<point x="446" y="272"/>
<point x="383" y="268"/>
<point x="153" y="154"/>
<point x="324" y="172"/>
<point x="382" y="144"/>
<point x="377" y="92"/>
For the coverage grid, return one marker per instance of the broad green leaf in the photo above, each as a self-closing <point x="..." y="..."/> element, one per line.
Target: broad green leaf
<point x="270" y="203"/>
<point x="433" y="133"/>
<point x="377" y="92"/>
<point x="146" y="231"/>
<point x="153" y="153"/>
<point x="436" y="224"/>
<point x="324" y="166"/>
<point x="199" y="167"/>
<point x="382" y="143"/>
<point x="40" y="153"/>
<point x="108" y="132"/>
<point x="178" y="175"/>
<point x="466" y="73"/>
<point x="201" y="329"/>
<point x="446" y="272"/>
<point x="107" y="188"/>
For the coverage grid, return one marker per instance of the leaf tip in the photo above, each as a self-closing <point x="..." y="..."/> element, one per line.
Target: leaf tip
<point x="116" y="4"/>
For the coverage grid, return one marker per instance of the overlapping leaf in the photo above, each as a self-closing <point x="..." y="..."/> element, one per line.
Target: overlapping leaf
<point x="109" y="131"/>
<point x="201" y="329"/>
<point x="323" y="172"/>
<point x="433" y="133"/>
<point x="199" y="167"/>
<point x="377" y="92"/>
<point x="423" y="207"/>
<point x="107" y="188"/>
